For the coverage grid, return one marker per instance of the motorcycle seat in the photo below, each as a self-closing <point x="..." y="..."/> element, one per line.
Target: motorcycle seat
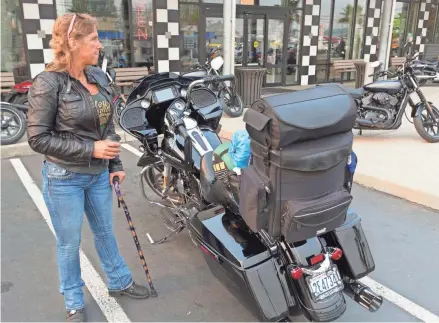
<point x="356" y="93"/>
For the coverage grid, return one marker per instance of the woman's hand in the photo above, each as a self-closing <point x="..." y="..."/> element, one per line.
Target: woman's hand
<point x="106" y="149"/>
<point x="120" y="174"/>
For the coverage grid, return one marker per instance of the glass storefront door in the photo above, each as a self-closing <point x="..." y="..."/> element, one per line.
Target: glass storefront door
<point x="259" y="40"/>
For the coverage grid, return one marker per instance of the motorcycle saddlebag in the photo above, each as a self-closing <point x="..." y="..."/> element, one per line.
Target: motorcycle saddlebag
<point x="239" y="260"/>
<point x="357" y="260"/>
<point x="281" y="120"/>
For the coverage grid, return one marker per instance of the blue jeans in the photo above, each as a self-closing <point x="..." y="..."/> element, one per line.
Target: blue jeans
<point x="67" y="196"/>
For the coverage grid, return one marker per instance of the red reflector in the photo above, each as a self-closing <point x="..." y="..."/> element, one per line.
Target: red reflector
<point x="207" y="251"/>
<point x="317" y="259"/>
<point x="296" y="273"/>
<point x="336" y="254"/>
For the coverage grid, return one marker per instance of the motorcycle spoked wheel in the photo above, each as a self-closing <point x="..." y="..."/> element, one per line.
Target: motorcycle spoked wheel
<point x="154" y="179"/>
<point x="12" y="118"/>
<point x="232" y="107"/>
<point x="427" y="128"/>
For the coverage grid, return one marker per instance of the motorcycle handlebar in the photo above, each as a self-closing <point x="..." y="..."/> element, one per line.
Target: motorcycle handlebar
<point x="181" y="129"/>
<point x="207" y="80"/>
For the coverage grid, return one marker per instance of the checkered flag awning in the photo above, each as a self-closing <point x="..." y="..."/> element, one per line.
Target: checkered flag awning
<point x="39" y="18"/>
<point x="167" y="32"/>
<point x="372" y="30"/>
<point x="310" y="38"/>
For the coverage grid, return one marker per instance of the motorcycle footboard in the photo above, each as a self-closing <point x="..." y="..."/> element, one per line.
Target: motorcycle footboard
<point x="242" y="264"/>
<point x="357" y="260"/>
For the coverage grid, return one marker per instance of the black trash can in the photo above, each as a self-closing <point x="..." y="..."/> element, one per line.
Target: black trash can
<point x="361" y="74"/>
<point x="249" y="84"/>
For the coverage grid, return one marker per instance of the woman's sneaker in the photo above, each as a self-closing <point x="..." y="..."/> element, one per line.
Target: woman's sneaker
<point x="75" y="316"/>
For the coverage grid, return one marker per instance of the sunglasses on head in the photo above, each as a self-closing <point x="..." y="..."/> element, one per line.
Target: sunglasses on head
<point x="72" y="22"/>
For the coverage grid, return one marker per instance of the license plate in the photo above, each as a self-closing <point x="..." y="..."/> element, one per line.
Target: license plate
<point x="326" y="284"/>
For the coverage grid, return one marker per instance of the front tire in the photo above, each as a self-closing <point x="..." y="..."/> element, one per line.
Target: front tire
<point x="427" y="128"/>
<point x="232" y="107"/>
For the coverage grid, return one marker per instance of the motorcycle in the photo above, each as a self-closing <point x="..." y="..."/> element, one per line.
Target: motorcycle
<point x="425" y="71"/>
<point x="382" y="104"/>
<point x="271" y="277"/>
<point x="18" y="94"/>
<point x="233" y="105"/>
<point x="13" y="122"/>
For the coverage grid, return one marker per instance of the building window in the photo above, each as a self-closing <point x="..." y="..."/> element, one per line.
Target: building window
<point x="189" y="17"/>
<point x="13" y="57"/>
<point x="142" y="34"/>
<point x="359" y="29"/>
<point x="124" y="28"/>
<point x="436" y="37"/>
<point x="341" y="33"/>
<point x="431" y="23"/>
<point x="399" y="27"/>
<point x="268" y="3"/>
<point x="293" y="49"/>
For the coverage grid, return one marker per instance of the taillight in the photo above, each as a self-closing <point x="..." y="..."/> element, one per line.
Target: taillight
<point x="336" y="254"/>
<point x="316" y="259"/>
<point x="23" y="87"/>
<point x="296" y="273"/>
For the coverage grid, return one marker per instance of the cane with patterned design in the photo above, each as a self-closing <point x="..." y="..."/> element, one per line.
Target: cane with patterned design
<point x="120" y="201"/>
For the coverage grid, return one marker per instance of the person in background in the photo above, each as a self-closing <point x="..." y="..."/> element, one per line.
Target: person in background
<point x="70" y="117"/>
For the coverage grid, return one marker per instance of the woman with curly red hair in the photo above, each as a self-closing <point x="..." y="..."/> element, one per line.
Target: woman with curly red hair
<point x="70" y="117"/>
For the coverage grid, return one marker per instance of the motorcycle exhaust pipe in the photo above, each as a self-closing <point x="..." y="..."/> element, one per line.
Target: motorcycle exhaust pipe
<point x="363" y="295"/>
<point x="369" y="123"/>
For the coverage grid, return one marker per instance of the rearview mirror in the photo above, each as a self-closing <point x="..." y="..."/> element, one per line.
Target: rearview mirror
<point x="217" y="62"/>
<point x="375" y="64"/>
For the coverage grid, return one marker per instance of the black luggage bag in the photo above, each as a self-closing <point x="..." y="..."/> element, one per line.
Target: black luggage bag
<point x="300" y="144"/>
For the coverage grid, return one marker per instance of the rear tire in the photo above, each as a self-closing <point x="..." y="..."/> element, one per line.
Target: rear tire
<point x="16" y="119"/>
<point x="21" y="99"/>
<point x="431" y="134"/>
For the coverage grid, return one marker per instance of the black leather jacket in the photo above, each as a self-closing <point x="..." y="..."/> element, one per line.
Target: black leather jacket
<point x="63" y="123"/>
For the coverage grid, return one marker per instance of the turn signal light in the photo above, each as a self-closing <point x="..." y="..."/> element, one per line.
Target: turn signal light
<point x="336" y="254"/>
<point x="296" y="273"/>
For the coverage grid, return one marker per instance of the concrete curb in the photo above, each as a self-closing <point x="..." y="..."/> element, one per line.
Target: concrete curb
<point x="22" y="149"/>
<point x="406" y="193"/>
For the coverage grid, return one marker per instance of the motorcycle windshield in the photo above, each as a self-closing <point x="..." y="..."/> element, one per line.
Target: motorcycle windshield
<point x="156" y="79"/>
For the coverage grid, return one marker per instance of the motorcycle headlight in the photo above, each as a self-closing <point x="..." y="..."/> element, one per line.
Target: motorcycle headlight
<point x="145" y="104"/>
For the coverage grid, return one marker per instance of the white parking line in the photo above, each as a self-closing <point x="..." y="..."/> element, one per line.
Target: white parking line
<point x="108" y="305"/>
<point x="150" y="239"/>
<point x="400" y="301"/>
<point x="130" y="148"/>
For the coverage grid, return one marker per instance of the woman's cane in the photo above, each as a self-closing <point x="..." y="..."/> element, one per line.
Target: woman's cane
<point x="120" y="201"/>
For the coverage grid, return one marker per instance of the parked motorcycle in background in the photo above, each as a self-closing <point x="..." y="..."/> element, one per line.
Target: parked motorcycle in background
<point x="382" y="104"/>
<point x="425" y="71"/>
<point x="13" y="122"/>
<point x="233" y="105"/>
